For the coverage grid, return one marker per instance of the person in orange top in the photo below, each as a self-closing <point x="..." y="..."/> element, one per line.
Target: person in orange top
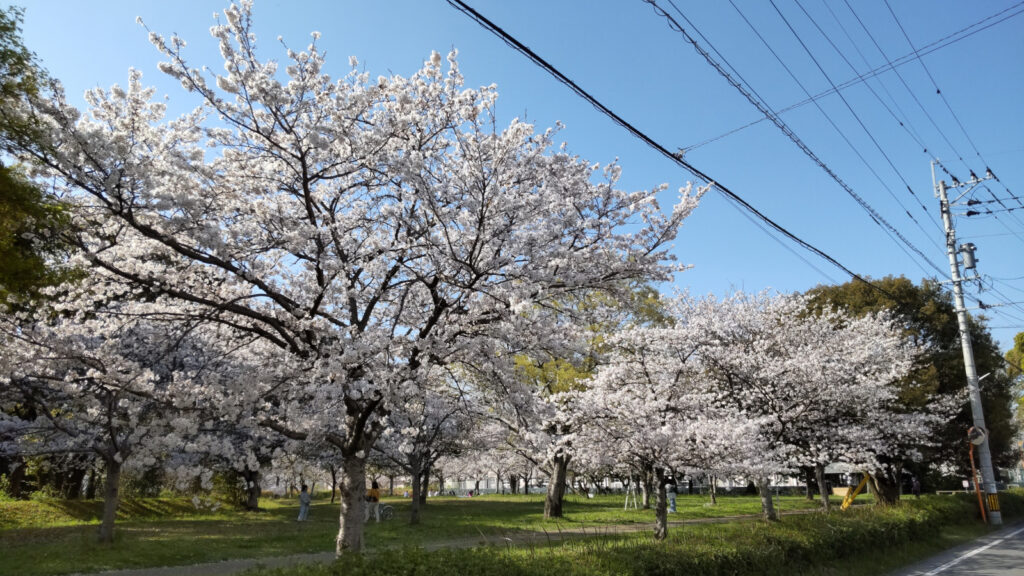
<point x="372" y="502"/>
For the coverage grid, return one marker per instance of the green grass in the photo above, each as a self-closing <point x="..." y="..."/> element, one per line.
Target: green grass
<point x="52" y="512"/>
<point x="859" y="542"/>
<point x="901" y="553"/>
<point x="59" y="537"/>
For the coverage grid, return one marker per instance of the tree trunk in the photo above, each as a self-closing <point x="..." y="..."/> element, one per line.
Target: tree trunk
<point x="334" y="480"/>
<point x="767" y="504"/>
<point x="90" y="489"/>
<point x="17" y="477"/>
<point x="110" y="499"/>
<point x="352" y="494"/>
<point x="885" y="487"/>
<point x="440" y="483"/>
<point x="556" y="487"/>
<point x="713" y="490"/>
<point x="660" y="506"/>
<point x="73" y="487"/>
<point x="414" y="510"/>
<point x="809" y="480"/>
<point x="819" y="474"/>
<point x="391" y="485"/>
<point x="252" y="489"/>
<point x="513" y="484"/>
<point x="425" y="480"/>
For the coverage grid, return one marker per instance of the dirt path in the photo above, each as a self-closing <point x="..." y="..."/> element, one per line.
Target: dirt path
<point x="562" y="532"/>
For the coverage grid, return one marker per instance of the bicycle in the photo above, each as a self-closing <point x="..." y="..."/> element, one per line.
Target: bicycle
<point x="387" y="512"/>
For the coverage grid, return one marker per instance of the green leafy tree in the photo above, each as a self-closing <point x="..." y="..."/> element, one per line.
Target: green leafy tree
<point x="1015" y="370"/>
<point x="930" y="320"/>
<point x="31" y="221"/>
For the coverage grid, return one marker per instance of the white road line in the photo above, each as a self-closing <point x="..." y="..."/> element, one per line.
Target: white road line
<point x="972" y="553"/>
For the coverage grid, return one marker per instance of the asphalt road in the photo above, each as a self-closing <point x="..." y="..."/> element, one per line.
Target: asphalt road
<point x="998" y="554"/>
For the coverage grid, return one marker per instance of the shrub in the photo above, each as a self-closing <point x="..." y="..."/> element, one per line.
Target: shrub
<point x="5" y="489"/>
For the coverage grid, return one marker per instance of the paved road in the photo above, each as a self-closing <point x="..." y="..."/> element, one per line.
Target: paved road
<point x="998" y="554"/>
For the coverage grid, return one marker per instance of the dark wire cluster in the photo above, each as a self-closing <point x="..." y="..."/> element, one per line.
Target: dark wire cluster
<point x="673" y="156"/>
<point x="755" y="99"/>
<point x="724" y="68"/>
<point x="901" y="118"/>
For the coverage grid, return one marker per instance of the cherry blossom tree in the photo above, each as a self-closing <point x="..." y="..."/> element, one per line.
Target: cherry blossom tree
<point x="647" y="408"/>
<point x="822" y="383"/>
<point x="105" y="384"/>
<point x="362" y="230"/>
<point x="422" y="429"/>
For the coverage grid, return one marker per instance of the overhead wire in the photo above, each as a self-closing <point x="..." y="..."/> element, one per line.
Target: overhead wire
<point x="945" y="100"/>
<point x="867" y="32"/>
<point x="903" y="119"/>
<point x="898" y="120"/>
<point x="934" y="83"/>
<point x="728" y="194"/>
<point x="913" y="95"/>
<point x="938" y="44"/>
<point x="1005" y="300"/>
<point x="511" y="41"/>
<point x="849" y="107"/>
<point x="902" y="122"/>
<point x="781" y="243"/>
<point x="736" y="80"/>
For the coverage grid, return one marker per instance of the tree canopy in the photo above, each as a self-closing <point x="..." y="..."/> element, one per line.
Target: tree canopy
<point x="927" y="316"/>
<point x="30" y="220"/>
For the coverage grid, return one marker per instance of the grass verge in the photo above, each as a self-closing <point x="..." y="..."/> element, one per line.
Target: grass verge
<point x="841" y="543"/>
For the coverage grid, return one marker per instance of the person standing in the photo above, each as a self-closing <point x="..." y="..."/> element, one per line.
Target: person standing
<point x="915" y="487"/>
<point x="670" y="492"/>
<point x="304" y="500"/>
<point x="372" y="502"/>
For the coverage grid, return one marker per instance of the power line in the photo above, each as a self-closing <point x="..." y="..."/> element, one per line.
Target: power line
<point x="903" y="81"/>
<point x="993" y="235"/>
<point x="1010" y="230"/>
<point x="729" y="194"/>
<point x="780" y="242"/>
<point x="945" y="100"/>
<point x="932" y="78"/>
<point x="750" y="93"/>
<point x="1006" y="299"/>
<point x="903" y="122"/>
<point x="906" y="86"/>
<point x="989" y="211"/>
<point x="870" y="89"/>
<point x="943" y="42"/>
<point x="848" y="106"/>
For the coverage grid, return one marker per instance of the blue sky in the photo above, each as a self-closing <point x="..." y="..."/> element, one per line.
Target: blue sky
<point x="626" y="55"/>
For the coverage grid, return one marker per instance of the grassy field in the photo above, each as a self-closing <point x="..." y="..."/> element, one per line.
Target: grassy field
<point x="861" y="542"/>
<point x="59" y="537"/>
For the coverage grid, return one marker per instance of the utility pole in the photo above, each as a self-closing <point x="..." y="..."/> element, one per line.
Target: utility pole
<point x="984" y="454"/>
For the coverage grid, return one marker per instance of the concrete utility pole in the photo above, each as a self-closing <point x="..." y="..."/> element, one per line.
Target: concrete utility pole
<point x="984" y="454"/>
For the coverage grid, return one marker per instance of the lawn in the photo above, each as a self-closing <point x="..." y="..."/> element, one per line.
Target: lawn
<point x="866" y="541"/>
<point x="59" y="537"/>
